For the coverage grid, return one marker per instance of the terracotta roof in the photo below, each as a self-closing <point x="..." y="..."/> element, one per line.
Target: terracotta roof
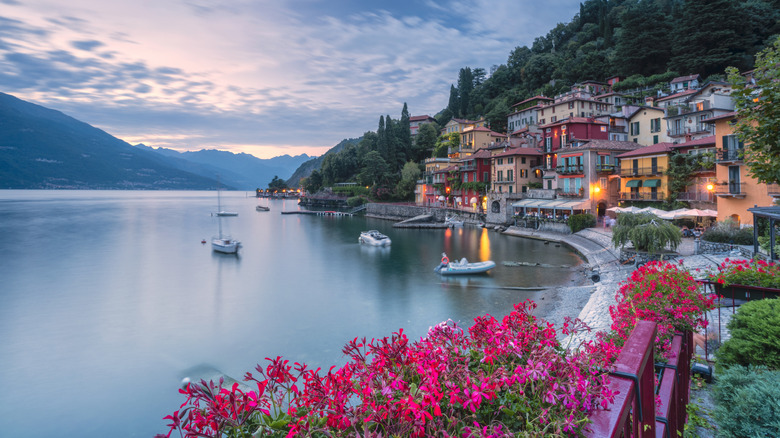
<point x="675" y="95"/>
<point x="575" y="120"/>
<point x="612" y="145"/>
<point x="446" y="169"/>
<point x="519" y="151"/>
<point x="611" y="93"/>
<point x="519" y="131"/>
<point x="685" y="78"/>
<point x="416" y="118"/>
<point x="482" y="153"/>
<point x="698" y="142"/>
<point x="655" y="149"/>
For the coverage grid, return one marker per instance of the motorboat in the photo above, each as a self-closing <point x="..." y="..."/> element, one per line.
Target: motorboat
<point x="262" y="208"/>
<point x="374" y="237"/>
<point x="462" y="267"/>
<point x="453" y="222"/>
<point x="226" y="213"/>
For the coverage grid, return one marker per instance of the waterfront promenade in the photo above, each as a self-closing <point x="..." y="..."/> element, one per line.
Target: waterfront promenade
<point x="595" y="246"/>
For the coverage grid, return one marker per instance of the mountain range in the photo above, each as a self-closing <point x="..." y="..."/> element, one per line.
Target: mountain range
<point x="41" y="148"/>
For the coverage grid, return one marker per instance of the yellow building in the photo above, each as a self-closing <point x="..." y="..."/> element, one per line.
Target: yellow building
<point x="474" y="138"/>
<point x="644" y="126"/>
<point x="735" y="191"/>
<point x="643" y="173"/>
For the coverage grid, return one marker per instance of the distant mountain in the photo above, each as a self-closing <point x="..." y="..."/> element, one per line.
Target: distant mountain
<point x="308" y="167"/>
<point x="41" y="148"/>
<point x="242" y="171"/>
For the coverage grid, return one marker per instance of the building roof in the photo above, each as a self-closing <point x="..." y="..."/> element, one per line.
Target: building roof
<point x="418" y="118"/>
<point x="611" y="145"/>
<point x="698" y="142"/>
<point x="658" y="148"/>
<point x="676" y="95"/>
<point x="728" y="115"/>
<point x="685" y="78"/>
<point x="519" y="151"/>
<point x="575" y="120"/>
<point x="446" y="169"/>
<point x="537" y="97"/>
<point x="481" y="153"/>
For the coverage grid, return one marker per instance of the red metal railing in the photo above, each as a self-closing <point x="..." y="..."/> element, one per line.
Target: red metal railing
<point x="634" y="412"/>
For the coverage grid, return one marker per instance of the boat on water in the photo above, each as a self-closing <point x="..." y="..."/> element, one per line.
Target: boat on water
<point x="462" y="267"/>
<point x="221" y="243"/>
<point x="453" y="222"/>
<point x="374" y="237"/>
<point x="262" y="208"/>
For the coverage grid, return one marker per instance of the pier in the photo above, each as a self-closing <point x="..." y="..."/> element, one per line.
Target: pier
<point x="318" y="213"/>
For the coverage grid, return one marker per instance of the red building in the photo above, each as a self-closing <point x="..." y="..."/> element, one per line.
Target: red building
<point x="566" y="132"/>
<point x="474" y="169"/>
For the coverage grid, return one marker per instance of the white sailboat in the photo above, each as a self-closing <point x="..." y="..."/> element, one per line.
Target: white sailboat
<point x="220" y="243"/>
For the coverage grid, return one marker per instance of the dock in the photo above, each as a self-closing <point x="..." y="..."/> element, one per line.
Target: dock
<point x="318" y="213"/>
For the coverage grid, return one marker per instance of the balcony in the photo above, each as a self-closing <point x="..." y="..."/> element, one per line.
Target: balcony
<point x="730" y="189"/>
<point x="729" y="155"/>
<point x="617" y="129"/>
<point x="696" y="196"/>
<point x="578" y="194"/>
<point x="467" y="167"/>
<point x="642" y="171"/>
<point x="605" y="168"/>
<point x="568" y="170"/>
<point x="695" y="129"/>
<point x="642" y="196"/>
<point x="773" y="190"/>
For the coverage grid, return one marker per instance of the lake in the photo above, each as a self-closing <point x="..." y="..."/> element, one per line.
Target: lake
<point x="109" y="298"/>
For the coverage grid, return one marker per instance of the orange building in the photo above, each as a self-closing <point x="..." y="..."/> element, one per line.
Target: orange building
<point x="735" y="191"/>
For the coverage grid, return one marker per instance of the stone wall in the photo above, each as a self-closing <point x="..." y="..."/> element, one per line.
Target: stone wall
<point x="706" y="247"/>
<point x="400" y="212"/>
<point x="499" y="208"/>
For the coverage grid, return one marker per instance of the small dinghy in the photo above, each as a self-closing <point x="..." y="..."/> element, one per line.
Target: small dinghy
<point x="462" y="267"/>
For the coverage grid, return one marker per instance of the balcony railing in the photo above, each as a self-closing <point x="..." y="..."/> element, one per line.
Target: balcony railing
<point x="468" y="167"/>
<point x="605" y="168"/>
<point x="567" y="170"/>
<point x="730" y="190"/>
<point x="642" y="171"/>
<point x="730" y="155"/>
<point x="696" y="196"/>
<point x="773" y="190"/>
<point x="642" y="196"/>
<point x="617" y="129"/>
<point x="578" y="194"/>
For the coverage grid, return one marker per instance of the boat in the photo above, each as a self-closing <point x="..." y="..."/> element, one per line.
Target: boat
<point x="220" y="243"/>
<point x="453" y="222"/>
<point x="374" y="237"/>
<point x="462" y="267"/>
<point x="220" y="211"/>
<point x="262" y="208"/>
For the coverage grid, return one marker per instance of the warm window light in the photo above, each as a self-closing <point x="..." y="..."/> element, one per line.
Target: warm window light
<point x="710" y="187"/>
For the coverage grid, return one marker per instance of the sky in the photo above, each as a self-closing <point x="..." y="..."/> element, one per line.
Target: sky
<point x="262" y="77"/>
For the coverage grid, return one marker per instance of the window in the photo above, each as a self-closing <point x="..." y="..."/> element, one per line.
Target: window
<point x="510" y="160"/>
<point x="655" y="125"/>
<point x="553" y="119"/>
<point x="548" y="144"/>
<point x="731" y="142"/>
<point x="571" y="105"/>
<point x="522" y="160"/>
<point x="485" y="176"/>
<point x="500" y="176"/>
<point x="510" y="189"/>
<point x="655" y="139"/>
<point x="634" y="128"/>
<point x="510" y="175"/>
<point x="465" y="177"/>
<point x="563" y="140"/>
<point x="500" y="161"/>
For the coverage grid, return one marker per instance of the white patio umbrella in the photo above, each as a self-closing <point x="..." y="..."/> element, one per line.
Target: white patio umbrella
<point x="473" y="200"/>
<point x="441" y="197"/>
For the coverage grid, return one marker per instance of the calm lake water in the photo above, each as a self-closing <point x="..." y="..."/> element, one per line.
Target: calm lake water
<point x="108" y="298"/>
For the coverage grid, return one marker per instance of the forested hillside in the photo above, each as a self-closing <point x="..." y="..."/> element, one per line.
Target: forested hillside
<point x="619" y="37"/>
<point x="645" y="42"/>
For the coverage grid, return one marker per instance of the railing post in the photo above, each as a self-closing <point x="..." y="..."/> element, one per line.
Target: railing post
<point x="634" y="378"/>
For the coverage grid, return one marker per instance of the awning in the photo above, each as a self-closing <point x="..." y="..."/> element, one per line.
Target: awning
<point x="634" y="183"/>
<point x="530" y="202"/>
<point x="651" y="183"/>
<point x="556" y="204"/>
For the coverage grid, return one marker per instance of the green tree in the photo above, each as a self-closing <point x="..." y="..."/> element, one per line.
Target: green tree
<point x="758" y="114"/>
<point x="277" y="184"/>
<point x="643" y="45"/>
<point x="647" y="232"/>
<point x="445" y="143"/>
<point x="454" y="104"/>
<point x="409" y="176"/>
<point x="425" y="142"/>
<point x="374" y="170"/>
<point x="312" y="183"/>
<point x="465" y="87"/>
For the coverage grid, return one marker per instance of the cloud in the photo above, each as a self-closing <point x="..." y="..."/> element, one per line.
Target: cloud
<point x="305" y="72"/>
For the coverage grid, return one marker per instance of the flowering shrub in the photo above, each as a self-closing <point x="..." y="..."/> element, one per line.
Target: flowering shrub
<point x="748" y="273"/>
<point x="500" y="379"/>
<point x="664" y="293"/>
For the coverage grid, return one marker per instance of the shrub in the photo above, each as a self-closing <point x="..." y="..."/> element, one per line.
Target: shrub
<point x="355" y="201"/>
<point x="502" y="378"/>
<point x="664" y="293"/>
<point x="579" y="222"/>
<point x="748" y="402"/>
<point x="647" y="232"/>
<point x="755" y="336"/>
<point x="748" y="273"/>
<point x="744" y="236"/>
<point x="728" y="232"/>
